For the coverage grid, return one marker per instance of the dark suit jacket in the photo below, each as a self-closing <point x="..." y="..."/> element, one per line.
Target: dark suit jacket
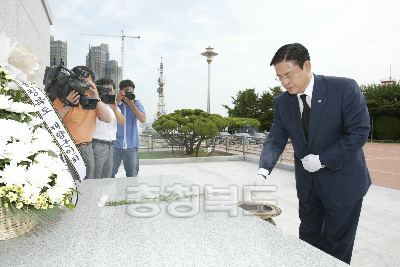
<point x="338" y="129"/>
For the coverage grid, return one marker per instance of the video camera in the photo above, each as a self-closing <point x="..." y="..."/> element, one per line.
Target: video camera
<point x="60" y="82"/>
<point x="106" y="98"/>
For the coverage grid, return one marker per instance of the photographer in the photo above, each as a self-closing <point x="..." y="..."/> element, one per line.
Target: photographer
<point x="105" y="133"/>
<point x="80" y="122"/>
<point x="127" y="143"/>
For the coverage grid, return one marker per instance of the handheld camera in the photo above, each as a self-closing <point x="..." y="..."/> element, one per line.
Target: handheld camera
<point x="103" y="90"/>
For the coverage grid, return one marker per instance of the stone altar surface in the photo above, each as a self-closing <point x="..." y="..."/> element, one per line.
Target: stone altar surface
<point x="115" y="236"/>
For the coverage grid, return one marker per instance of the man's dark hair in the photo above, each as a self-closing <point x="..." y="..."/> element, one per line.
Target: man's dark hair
<point x="91" y="72"/>
<point x="296" y="52"/>
<point x="126" y="83"/>
<point x="105" y="81"/>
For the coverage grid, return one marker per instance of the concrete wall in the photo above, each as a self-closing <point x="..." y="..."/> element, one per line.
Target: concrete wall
<point x="28" y="23"/>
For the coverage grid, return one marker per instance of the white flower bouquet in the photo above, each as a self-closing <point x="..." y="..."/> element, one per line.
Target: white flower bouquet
<point x="34" y="182"/>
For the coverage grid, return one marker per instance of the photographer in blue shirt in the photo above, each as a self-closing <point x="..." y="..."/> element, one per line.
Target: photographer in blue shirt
<point x="127" y="143"/>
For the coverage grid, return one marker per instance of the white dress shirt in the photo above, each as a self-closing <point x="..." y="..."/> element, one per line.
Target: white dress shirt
<point x="308" y="92"/>
<point x="106" y="131"/>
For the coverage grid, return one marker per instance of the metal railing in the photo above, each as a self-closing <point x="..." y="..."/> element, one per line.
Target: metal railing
<point x="251" y="146"/>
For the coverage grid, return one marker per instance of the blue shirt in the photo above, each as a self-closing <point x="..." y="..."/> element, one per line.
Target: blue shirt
<point x="128" y="135"/>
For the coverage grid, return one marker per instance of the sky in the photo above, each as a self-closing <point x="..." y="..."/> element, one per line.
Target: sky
<point x="354" y="39"/>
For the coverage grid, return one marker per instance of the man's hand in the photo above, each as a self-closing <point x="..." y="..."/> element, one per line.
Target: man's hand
<point x="93" y="90"/>
<point x="120" y="96"/>
<point x="311" y="163"/>
<point x="257" y="181"/>
<point x="129" y="102"/>
<point x="73" y="97"/>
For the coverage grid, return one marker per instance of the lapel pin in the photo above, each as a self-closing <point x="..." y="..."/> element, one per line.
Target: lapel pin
<point x="319" y="101"/>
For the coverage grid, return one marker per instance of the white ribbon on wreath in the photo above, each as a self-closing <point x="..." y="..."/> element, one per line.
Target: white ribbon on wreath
<point x="23" y="65"/>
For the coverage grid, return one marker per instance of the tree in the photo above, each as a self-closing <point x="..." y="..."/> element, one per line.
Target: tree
<point x="241" y="124"/>
<point x="266" y="103"/>
<point x="248" y="104"/>
<point x="383" y="106"/>
<point x="148" y="130"/>
<point x="382" y="99"/>
<point x="245" y="105"/>
<point x="186" y="129"/>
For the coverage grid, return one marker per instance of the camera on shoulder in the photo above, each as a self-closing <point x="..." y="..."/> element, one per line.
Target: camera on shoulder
<point x="60" y="82"/>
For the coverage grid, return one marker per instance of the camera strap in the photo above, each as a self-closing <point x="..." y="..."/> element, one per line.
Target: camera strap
<point x="55" y="126"/>
<point x="68" y="103"/>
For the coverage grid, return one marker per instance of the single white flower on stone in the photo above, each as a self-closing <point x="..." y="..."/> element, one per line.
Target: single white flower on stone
<point x="19" y="107"/>
<point x="103" y="201"/>
<point x="5" y="101"/>
<point x="13" y="174"/>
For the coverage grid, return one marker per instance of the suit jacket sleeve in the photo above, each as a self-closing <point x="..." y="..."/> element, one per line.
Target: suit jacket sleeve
<point x="275" y="142"/>
<point x="356" y="128"/>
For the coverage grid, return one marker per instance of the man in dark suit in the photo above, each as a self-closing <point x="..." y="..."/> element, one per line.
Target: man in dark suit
<point x="327" y="121"/>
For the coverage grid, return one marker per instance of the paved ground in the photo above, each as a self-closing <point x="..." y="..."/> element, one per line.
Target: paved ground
<point x="383" y="161"/>
<point x="378" y="233"/>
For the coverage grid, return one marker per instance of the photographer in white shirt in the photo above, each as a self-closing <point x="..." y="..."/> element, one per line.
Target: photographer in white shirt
<point x="105" y="135"/>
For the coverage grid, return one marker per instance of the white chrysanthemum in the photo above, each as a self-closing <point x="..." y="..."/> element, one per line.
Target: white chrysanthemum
<point x="38" y="175"/>
<point x="5" y="101"/>
<point x="8" y="128"/>
<point x="31" y="192"/>
<point x="44" y="159"/>
<point x="18" y="151"/>
<point x="43" y="141"/>
<point x="56" y="193"/>
<point x="54" y="147"/>
<point x="65" y="180"/>
<point x="13" y="174"/>
<point x="58" y="166"/>
<point x="22" y="132"/>
<point x="19" y="107"/>
<point x="3" y="148"/>
<point x="35" y="121"/>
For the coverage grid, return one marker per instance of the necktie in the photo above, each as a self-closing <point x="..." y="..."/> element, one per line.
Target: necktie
<point x="305" y="116"/>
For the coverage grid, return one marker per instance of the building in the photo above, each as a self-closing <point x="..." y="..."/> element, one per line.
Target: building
<point x="58" y="52"/>
<point x="28" y="23"/>
<point x="114" y="72"/>
<point x="98" y="60"/>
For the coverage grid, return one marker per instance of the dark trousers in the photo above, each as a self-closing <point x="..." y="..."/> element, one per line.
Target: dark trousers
<point x="327" y="227"/>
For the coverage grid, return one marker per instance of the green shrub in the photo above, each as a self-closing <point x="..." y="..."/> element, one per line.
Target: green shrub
<point x="387" y="128"/>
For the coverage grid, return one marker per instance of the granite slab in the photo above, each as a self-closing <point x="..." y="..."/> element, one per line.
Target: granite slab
<point x="174" y="236"/>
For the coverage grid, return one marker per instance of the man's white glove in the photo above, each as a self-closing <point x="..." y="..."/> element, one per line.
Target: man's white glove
<point x="257" y="181"/>
<point x="311" y="163"/>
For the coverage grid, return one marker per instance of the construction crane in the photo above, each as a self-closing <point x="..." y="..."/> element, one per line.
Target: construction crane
<point x="122" y="46"/>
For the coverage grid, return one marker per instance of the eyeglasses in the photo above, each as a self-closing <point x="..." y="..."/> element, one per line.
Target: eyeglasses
<point x="287" y="77"/>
